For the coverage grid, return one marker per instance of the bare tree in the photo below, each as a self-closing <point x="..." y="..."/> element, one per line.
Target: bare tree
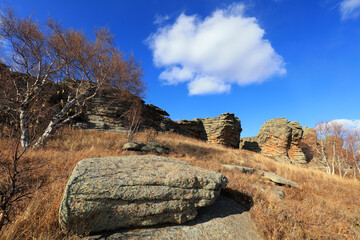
<point x="353" y="147"/>
<point x="133" y="119"/>
<point x="77" y="66"/>
<point x="16" y="178"/>
<point x="322" y="130"/>
<point x="330" y="147"/>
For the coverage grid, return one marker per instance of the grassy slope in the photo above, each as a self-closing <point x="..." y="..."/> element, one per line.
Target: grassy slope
<point x="327" y="207"/>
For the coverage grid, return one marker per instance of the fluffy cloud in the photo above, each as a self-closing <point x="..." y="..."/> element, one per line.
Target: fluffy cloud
<point x="350" y="9"/>
<point x="348" y="124"/>
<point x="211" y="54"/>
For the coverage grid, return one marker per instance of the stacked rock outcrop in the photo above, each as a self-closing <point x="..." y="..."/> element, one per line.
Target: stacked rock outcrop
<point x="106" y="112"/>
<point x="278" y="138"/>
<point x="105" y="194"/>
<point x="224" y="130"/>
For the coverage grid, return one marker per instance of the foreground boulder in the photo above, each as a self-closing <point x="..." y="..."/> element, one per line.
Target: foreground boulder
<point x="224" y="220"/>
<point x="109" y="193"/>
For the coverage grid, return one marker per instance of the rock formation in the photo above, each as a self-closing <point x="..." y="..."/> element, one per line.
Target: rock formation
<point x="105" y="194"/>
<point x="274" y="137"/>
<point x="106" y="112"/>
<point x="192" y="128"/>
<point x="278" y="138"/>
<point x="224" y="130"/>
<point x="295" y="152"/>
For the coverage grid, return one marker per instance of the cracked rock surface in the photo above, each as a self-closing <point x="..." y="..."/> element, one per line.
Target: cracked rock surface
<point x="109" y="193"/>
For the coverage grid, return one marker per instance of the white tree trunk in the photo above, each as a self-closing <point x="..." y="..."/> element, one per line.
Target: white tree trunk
<point x="56" y="122"/>
<point x="48" y="131"/>
<point x="24" y="128"/>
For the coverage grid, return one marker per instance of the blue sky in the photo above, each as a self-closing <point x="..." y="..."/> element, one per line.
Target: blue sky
<point x="298" y="59"/>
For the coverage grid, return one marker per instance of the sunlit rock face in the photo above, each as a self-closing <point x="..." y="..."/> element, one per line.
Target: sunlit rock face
<point x="278" y="138"/>
<point x="224" y="130"/>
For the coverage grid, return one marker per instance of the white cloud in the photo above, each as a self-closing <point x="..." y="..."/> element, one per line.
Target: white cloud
<point x="176" y="75"/>
<point x="350" y="9"/>
<point x="348" y="124"/>
<point x="207" y="85"/>
<point x="161" y="19"/>
<point x="213" y="53"/>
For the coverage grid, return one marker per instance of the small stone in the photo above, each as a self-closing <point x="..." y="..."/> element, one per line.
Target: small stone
<point x="279" y="180"/>
<point x="240" y="168"/>
<point x="133" y="146"/>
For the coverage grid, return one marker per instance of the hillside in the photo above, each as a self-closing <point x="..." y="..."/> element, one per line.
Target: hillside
<point x="324" y="207"/>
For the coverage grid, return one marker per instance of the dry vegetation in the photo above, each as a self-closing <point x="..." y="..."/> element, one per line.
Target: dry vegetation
<point x="327" y="207"/>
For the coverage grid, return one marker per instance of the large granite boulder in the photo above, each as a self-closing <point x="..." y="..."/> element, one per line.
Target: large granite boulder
<point x="273" y="137"/>
<point x="109" y="193"/>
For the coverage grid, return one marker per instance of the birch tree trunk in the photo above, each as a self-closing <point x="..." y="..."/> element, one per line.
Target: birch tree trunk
<point x="24" y="128"/>
<point x="58" y="120"/>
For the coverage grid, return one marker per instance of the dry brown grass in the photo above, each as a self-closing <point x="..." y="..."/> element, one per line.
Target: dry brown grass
<point x="326" y="207"/>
